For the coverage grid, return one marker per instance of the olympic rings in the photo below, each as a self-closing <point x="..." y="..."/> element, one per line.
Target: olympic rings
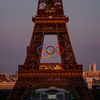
<point x="50" y="50"/>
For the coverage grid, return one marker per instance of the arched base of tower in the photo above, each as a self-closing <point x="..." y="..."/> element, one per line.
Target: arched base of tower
<point x="57" y="80"/>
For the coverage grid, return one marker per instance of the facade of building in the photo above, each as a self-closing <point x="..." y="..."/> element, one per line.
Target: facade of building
<point x="92" y="67"/>
<point x="92" y="76"/>
<point x="7" y="81"/>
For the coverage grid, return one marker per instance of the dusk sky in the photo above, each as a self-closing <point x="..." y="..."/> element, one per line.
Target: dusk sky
<point x="16" y="30"/>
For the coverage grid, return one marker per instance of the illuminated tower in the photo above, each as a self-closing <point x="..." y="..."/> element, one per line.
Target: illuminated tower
<point x="32" y="75"/>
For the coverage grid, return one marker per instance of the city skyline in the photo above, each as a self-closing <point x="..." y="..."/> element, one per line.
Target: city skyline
<point x="16" y="29"/>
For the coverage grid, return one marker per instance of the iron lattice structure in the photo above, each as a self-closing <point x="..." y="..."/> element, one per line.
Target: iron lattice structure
<point x="50" y="19"/>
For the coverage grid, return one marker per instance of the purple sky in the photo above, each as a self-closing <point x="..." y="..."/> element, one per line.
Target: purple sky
<point x="16" y="30"/>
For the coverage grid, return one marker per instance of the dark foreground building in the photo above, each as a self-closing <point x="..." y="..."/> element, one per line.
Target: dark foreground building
<point x="49" y="94"/>
<point x="36" y="76"/>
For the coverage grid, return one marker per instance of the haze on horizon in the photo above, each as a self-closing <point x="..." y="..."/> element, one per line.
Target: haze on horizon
<point x="16" y="30"/>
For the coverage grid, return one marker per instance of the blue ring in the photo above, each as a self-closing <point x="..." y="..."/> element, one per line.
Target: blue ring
<point x="38" y="50"/>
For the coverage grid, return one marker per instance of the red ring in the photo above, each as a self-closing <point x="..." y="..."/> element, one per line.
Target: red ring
<point x="61" y="51"/>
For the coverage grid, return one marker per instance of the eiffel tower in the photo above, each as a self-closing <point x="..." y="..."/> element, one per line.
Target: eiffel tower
<point x="32" y="75"/>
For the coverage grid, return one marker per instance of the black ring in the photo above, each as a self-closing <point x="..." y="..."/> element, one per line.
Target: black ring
<point x="52" y="51"/>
